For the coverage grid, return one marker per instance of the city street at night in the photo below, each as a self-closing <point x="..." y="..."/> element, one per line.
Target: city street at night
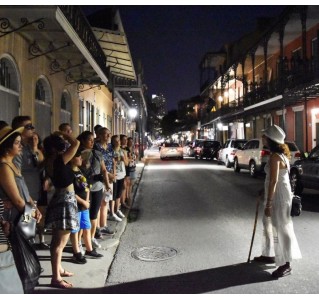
<point x="206" y="213"/>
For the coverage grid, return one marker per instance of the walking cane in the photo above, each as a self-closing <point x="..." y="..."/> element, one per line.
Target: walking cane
<point x="255" y="225"/>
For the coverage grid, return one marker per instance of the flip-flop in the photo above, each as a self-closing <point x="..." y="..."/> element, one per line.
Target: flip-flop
<point x="61" y="284"/>
<point x="66" y="273"/>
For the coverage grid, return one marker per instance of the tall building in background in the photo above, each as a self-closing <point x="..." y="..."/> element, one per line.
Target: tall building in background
<point x="161" y="105"/>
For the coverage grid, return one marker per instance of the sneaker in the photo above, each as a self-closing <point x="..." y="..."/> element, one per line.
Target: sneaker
<point x="81" y="249"/>
<point x="78" y="258"/>
<point x="106" y="230"/>
<point x="95" y="244"/>
<point x="93" y="254"/>
<point x="282" y="271"/>
<point x="98" y="234"/>
<point x="120" y="214"/>
<point x="116" y="218"/>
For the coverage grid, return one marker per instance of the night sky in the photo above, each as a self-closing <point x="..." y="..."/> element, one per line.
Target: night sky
<point x="171" y="40"/>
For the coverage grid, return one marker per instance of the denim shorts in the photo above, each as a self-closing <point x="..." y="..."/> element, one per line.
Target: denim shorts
<point x="133" y="175"/>
<point x="84" y="220"/>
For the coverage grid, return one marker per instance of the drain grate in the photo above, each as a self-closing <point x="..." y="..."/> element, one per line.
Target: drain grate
<point x="154" y="253"/>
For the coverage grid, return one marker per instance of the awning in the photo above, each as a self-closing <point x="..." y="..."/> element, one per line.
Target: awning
<point x="117" y="52"/>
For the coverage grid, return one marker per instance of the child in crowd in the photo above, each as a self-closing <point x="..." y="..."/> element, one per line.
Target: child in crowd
<point x="82" y="194"/>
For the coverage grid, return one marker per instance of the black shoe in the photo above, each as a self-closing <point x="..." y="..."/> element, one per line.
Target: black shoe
<point x="265" y="259"/>
<point x="282" y="271"/>
<point x="93" y="254"/>
<point x="107" y="231"/>
<point x="78" y="258"/>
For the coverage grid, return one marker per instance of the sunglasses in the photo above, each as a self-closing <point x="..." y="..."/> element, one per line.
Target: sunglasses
<point x="29" y="127"/>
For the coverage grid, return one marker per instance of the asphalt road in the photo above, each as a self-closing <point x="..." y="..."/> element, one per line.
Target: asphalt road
<point x="206" y="213"/>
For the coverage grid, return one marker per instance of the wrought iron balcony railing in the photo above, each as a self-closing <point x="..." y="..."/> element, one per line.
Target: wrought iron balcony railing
<point x="83" y="29"/>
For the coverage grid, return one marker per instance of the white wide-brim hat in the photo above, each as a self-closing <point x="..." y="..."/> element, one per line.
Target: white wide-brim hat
<point x="275" y="133"/>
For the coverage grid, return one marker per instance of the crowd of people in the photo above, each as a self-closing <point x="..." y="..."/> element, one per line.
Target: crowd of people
<point x="75" y="184"/>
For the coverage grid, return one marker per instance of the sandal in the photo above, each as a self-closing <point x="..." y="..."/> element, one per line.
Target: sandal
<point x="282" y="271"/>
<point x="66" y="273"/>
<point x="61" y="284"/>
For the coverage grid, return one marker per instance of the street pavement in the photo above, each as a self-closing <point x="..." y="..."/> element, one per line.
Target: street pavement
<point x="93" y="274"/>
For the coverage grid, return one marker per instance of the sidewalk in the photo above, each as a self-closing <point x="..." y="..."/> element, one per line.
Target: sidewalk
<point x="93" y="274"/>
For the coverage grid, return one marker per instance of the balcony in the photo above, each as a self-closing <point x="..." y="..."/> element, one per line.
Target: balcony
<point x="62" y="35"/>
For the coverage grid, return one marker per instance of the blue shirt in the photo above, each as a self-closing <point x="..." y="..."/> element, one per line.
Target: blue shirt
<point x="107" y="154"/>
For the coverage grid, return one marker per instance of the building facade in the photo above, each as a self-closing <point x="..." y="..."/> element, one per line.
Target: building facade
<point x="53" y="68"/>
<point x="267" y="77"/>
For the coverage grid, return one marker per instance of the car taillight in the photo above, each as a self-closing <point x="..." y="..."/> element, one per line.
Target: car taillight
<point x="233" y="152"/>
<point x="264" y="152"/>
<point x="297" y="155"/>
<point x="179" y="149"/>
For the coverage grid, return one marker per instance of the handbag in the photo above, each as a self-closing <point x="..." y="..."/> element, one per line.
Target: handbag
<point x="296" y="206"/>
<point x="26" y="260"/>
<point x="26" y="223"/>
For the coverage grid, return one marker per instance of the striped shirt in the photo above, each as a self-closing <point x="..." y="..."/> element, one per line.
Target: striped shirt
<point x="3" y="239"/>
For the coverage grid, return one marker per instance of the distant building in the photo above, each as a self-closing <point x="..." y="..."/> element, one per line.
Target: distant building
<point x="161" y="105"/>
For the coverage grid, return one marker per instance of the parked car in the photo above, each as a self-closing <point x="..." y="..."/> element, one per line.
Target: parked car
<point x="171" y="150"/>
<point x="207" y="149"/>
<point x="294" y="152"/>
<point x="227" y="153"/>
<point x="304" y="173"/>
<point x="253" y="156"/>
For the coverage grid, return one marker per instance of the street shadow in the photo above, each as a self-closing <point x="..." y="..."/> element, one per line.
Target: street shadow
<point x="198" y="282"/>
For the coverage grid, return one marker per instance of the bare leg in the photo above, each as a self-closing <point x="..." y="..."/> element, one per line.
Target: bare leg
<point x="112" y="207"/>
<point x="59" y="241"/>
<point x="103" y="214"/>
<point x="93" y="227"/>
<point x="117" y="204"/>
<point x="75" y="242"/>
<point x="87" y="239"/>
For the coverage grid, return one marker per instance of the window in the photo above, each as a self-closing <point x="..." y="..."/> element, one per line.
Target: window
<point x="66" y="108"/>
<point x="109" y="123"/>
<point x="88" y="115"/>
<point x="39" y="91"/>
<point x="9" y="90"/>
<point x="81" y="115"/>
<point x="43" y="115"/>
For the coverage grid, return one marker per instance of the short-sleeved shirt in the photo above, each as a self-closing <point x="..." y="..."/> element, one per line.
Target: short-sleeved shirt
<point x="107" y="154"/>
<point x="79" y="188"/>
<point x="94" y="158"/>
<point x="62" y="173"/>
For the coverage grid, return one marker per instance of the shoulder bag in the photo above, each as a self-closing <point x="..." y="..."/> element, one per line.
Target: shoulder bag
<point x="296" y="206"/>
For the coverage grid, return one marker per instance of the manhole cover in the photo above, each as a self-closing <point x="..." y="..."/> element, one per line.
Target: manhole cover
<point x="154" y="253"/>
